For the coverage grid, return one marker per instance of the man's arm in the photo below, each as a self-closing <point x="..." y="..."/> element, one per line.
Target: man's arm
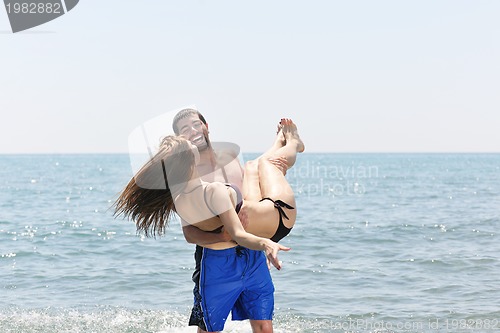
<point x="197" y="236"/>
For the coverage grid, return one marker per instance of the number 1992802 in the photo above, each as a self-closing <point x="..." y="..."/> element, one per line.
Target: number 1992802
<point x="33" y="8"/>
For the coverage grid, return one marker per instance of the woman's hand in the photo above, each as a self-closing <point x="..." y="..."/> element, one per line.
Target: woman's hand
<point x="280" y="163"/>
<point x="271" y="249"/>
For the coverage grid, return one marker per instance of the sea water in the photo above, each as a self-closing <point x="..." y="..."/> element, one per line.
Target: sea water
<point x="382" y="243"/>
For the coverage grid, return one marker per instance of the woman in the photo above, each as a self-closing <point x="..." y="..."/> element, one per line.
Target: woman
<point x="230" y="272"/>
<point x="266" y="188"/>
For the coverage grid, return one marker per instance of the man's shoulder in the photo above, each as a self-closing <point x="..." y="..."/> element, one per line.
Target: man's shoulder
<point x="226" y="149"/>
<point x="227" y="154"/>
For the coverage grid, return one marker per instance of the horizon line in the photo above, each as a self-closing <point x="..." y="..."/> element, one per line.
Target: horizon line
<point x="307" y="152"/>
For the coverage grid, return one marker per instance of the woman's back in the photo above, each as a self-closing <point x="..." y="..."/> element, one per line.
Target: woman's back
<point x="201" y="205"/>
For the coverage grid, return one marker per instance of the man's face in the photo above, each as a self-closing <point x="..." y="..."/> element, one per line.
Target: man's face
<point x="193" y="129"/>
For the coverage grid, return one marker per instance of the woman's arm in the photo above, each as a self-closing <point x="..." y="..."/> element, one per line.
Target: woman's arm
<point x="220" y="202"/>
<point x="245" y="239"/>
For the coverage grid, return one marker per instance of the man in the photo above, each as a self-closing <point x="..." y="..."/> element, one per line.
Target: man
<point x="219" y="164"/>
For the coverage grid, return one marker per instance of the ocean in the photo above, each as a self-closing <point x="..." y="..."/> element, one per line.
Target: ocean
<point x="382" y="243"/>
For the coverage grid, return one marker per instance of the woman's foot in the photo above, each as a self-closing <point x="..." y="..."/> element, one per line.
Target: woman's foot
<point x="291" y="134"/>
<point x="280" y="140"/>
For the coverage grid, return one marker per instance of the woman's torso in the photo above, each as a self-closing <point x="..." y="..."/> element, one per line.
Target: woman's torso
<point x="259" y="218"/>
<point x="194" y="208"/>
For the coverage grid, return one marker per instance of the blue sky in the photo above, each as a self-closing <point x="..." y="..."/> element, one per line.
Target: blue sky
<point x="356" y="76"/>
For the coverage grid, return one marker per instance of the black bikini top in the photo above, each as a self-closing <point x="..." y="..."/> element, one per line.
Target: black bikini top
<point x="239" y="198"/>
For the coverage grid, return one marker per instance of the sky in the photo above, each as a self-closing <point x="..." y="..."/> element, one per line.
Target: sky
<point x="356" y="76"/>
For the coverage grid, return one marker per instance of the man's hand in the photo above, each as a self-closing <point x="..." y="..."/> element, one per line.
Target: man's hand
<point x="225" y="236"/>
<point x="194" y="235"/>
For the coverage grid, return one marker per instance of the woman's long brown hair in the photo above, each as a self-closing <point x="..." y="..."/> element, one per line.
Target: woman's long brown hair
<point x="148" y="199"/>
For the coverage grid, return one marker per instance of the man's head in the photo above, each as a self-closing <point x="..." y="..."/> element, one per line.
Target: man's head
<point x="191" y="124"/>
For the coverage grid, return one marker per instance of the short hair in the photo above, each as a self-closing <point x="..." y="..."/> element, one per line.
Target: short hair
<point x="183" y="114"/>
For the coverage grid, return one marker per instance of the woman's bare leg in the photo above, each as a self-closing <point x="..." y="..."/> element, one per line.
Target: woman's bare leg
<point x="293" y="143"/>
<point x="279" y="142"/>
<point x="251" y="183"/>
<point x="251" y="186"/>
<point x="264" y="178"/>
<point x="280" y="139"/>
<point x="273" y="183"/>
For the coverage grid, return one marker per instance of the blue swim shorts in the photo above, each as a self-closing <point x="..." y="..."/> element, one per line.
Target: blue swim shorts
<point x="237" y="280"/>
